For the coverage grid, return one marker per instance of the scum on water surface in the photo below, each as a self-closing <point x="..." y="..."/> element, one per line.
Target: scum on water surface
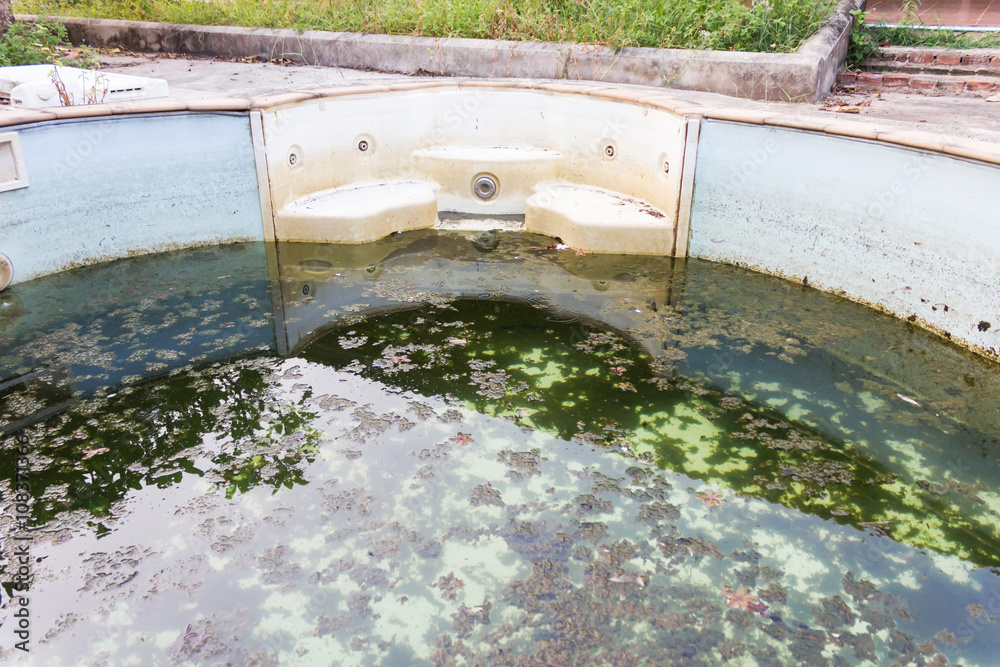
<point x="461" y="449"/>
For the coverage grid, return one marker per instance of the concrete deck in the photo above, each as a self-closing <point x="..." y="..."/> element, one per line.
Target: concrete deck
<point x="193" y="78"/>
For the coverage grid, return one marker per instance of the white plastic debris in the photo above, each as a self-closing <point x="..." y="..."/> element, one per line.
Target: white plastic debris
<point x="41" y="86"/>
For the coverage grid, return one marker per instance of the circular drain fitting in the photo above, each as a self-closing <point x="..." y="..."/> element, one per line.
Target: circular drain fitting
<point x="485" y="187"/>
<point x="364" y="144"/>
<point x="6" y="271"/>
<point x="609" y="148"/>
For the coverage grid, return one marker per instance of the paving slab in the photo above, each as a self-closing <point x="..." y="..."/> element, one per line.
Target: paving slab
<point x="199" y="78"/>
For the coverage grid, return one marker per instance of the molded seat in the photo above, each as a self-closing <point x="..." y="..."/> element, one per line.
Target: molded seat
<point x="359" y="213"/>
<point x="599" y="220"/>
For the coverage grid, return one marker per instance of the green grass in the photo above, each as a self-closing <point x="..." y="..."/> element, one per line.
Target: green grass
<point x="729" y="25"/>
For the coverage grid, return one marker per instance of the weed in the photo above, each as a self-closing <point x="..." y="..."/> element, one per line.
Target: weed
<point x="95" y="88"/>
<point x="726" y="25"/>
<point x="42" y="41"/>
<point x="864" y="42"/>
<point x="910" y="31"/>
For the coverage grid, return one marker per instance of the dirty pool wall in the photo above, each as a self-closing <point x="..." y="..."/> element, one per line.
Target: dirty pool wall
<point x="118" y="323"/>
<point x="109" y="187"/>
<point x="911" y="232"/>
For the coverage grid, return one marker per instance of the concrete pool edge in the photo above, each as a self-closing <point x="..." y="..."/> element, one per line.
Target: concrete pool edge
<point x="983" y="151"/>
<point x="804" y="75"/>
<point x="971" y="323"/>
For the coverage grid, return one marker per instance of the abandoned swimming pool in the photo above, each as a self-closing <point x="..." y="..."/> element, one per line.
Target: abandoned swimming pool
<point x="438" y="372"/>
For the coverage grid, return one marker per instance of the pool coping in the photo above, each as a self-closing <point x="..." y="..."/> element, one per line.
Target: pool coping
<point x="982" y="151"/>
<point x="805" y="75"/>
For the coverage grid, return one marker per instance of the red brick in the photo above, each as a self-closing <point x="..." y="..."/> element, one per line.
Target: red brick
<point x="893" y="56"/>
<point x="923" y="84"/>
<point x="976" y="61"/>
<point x="921" y="57"/>
<point x="995" y="63"/>
<point x="954" y="86"/>
<point x="979" y="85"/>
<point x="896" y="79"/>
<point x="847" y="77"/>
<point x="948" y="59"/>
<point x="869" y="79"/>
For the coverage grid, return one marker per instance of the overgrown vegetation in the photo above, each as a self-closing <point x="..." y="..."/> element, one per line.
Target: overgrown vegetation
<point x="911" y="31"/>
<point x="732" y="25"/>
<point x="42" y="41"/>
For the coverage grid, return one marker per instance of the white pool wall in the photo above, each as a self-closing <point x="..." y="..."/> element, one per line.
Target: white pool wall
<point x="531" y="141"/>
<point x="904" y="221"/>
<point x="113" y="186"/>
<point x="912" y="232"/>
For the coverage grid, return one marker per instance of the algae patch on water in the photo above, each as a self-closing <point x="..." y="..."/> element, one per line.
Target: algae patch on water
<point x="579" y="381"/>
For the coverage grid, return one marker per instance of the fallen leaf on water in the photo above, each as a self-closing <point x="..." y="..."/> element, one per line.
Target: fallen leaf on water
<point x="908" y="400"/>
<point x="87" y="453"/>
<point x="457" y="341"/>
<point x="711" y="498"/>
<point x="462" y="439"/>
<point x="448" y="585"/>
<point x="580" y="252"/>
<point x="627" y="579"/>
<point x="740" y="598"/>
<point x="977" y="611"/>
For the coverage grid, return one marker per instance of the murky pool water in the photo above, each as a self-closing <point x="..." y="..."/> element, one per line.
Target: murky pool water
<point x="473" y="449"/>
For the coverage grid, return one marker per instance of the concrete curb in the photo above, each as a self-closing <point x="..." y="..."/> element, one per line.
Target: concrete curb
<point x="804" y="76"/>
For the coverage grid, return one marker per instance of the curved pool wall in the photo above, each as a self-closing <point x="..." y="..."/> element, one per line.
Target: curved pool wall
<point x="112" y="186"/>
<point x="903" y="221"/>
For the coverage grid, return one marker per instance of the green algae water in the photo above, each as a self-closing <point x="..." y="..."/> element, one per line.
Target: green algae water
<point x="457" y="449"/>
